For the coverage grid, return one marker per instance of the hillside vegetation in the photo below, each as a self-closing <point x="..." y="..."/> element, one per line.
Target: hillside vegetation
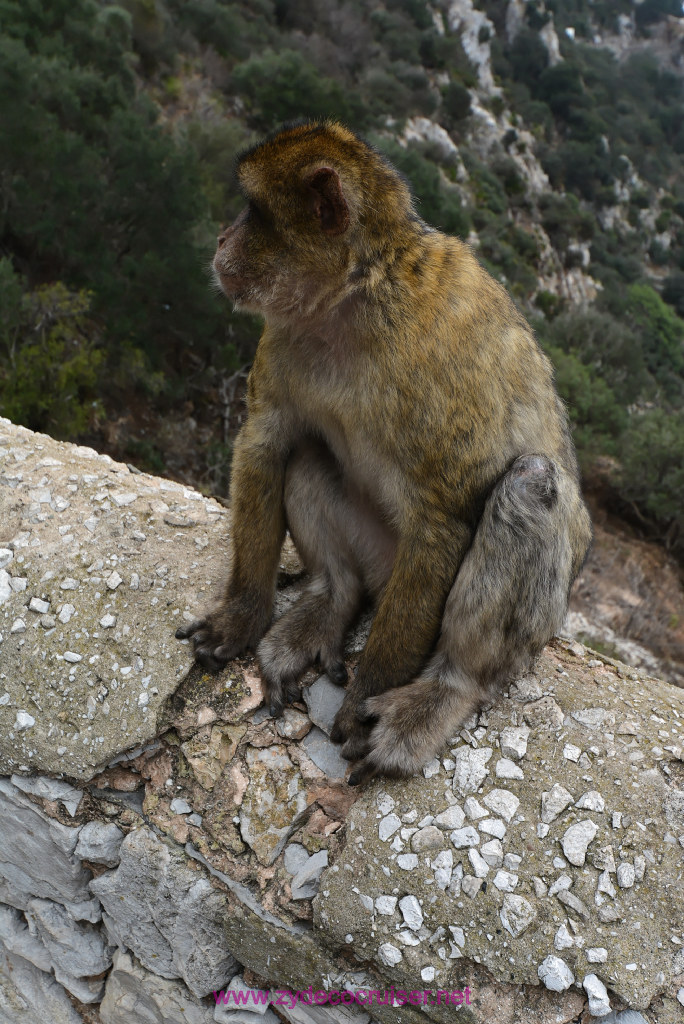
<point x="550" y="135"/>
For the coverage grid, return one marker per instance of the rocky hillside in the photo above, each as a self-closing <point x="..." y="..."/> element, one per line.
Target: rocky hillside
<point x="550" y="134"/>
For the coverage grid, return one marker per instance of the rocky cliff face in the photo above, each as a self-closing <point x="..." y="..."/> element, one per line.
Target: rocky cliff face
<point x="163" y="838"/>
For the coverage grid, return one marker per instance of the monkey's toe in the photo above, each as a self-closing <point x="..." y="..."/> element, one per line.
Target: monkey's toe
<point x="357" y="745"/>
<point x="363" y="772"/>
<point x="185" y="632"/>
<point x="337" y="673"/>
<point x="207" y="659"/>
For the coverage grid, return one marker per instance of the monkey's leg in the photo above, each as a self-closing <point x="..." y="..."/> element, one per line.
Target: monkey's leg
<point x="347" y="551"/>
<point x="508" y="600"/>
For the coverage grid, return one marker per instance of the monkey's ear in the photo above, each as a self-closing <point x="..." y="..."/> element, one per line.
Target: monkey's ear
<point x="327" y="199"/>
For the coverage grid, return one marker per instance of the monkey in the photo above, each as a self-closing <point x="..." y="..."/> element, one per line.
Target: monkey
<point x="403" y="425"/>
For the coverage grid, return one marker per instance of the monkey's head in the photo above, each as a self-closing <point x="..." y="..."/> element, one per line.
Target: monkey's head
<point x="320" y="203"/>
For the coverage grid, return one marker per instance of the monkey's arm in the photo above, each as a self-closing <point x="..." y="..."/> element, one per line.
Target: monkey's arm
<point x="257" y="477"/>
<point x="407" y="621"/>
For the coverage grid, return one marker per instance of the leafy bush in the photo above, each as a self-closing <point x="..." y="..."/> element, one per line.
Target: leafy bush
<point x="49" y="356"/>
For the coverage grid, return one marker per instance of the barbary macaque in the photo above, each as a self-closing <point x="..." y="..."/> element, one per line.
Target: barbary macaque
<point x="404" y="427"/>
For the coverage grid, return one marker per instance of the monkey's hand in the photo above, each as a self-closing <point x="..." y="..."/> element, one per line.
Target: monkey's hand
<point x="237" y="623"/>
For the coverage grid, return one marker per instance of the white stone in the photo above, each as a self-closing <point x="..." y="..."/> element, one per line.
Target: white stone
<point x="625" y="875"/>
<point x="458" y="935"/>
<point x="493" y="853"/>
<point x="69" y="583"/>
<point x="121" y="498"/>
<point x="591" y="801"/>
<point x="108" y="621"/>
<point x="576" y="840"/>
<point x="462" y="837"/>
<point x="114" y="581"/>
<point x="388" y="826"/>
<point x="512" y="861"/>
<point x="442" y="866"/>
<point x="513" y="741"/>
<point x="597" y="955"/>
<point x="605" y="884"/>
<point x="474" y="810"/>
<point x="18" y="626"/>
<point x="541" y="889"/>
<point x="428" y="974"/>
<point x="517" y="914"/>
<point x="407" y="861"/>
<point x="503" y="803"/>
<point x="24" y="721"/>
<point x="452" y="818"/>
<point x="555" y="974"/>
<point x="561" y="883"/>
<point x="507" y="769"/>
<point x="428" y="838"/>
<point x="563" y="939"/>
<point x="389" y="955"/>
<point x="554" y="802"/>
<point x="480" y="865"/>
<point x="505" y="881"/>
<point x="571" y="752"/>
<point x="384" y="801"/>
<point x="493" y="827"/>
<point x="72" y="657"/>
<point x="38" y="605"/>
<point x="599" y="1003"/>
<point x="471" y="768"/>
<point x="411" y="912"/>
<point x="471" y="885"/>
<point x="386" y="905"/>
<point x="431" y="768"/>
<point x="66" y="613"/>
<point x="6" y="556"/>
<point x="180" y="806"/>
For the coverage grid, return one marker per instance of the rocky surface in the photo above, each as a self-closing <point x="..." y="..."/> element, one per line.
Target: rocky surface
<point x="99" y="566"/>
<point x="534" y="867"/>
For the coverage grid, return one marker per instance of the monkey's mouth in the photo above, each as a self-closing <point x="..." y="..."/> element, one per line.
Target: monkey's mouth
<point x="232" y="284"/>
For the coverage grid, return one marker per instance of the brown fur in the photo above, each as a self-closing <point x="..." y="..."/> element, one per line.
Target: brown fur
<point x="394" y="387"/>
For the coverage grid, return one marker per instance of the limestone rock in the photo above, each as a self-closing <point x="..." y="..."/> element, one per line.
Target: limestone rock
<point x="555" y="974"/>
<point x="100" y="843"/>
<point x="28" y="994"/>
<point x="76" y="950"/>
<point x="128" y="670"/>
<point x="323" y="700"/>
<point x="132" y="994"/>
<point x="166" y="913"/>
<point x="274" y="798"/>
<point x="37" y="854"/>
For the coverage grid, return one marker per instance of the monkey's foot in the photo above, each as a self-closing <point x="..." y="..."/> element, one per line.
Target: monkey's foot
<point x="411" y="725"/>
<point x="282" y="665"/>
<point x="222" y="634"/>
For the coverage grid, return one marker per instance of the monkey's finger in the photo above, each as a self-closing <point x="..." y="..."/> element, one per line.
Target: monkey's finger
<point x="224" y="652"/>
<point x="205" y="656"/>
<point x="200" y="638"/>
<point x="185" y="632"/>
<point x="364" y="772"/>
